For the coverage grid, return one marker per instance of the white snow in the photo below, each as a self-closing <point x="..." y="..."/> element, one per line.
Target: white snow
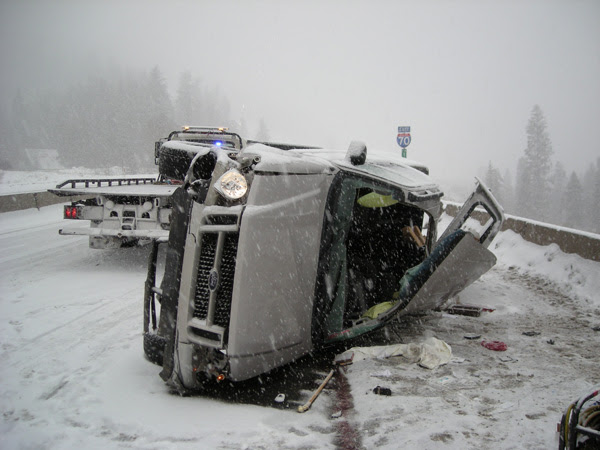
<point x="73" y="374"/>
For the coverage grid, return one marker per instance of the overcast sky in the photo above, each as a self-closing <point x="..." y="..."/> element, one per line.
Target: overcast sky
<point x="464" y="75"/>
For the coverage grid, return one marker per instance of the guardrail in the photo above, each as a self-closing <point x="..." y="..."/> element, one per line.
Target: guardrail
<point x="17" y="202"/>
<point x="584" y="244"/>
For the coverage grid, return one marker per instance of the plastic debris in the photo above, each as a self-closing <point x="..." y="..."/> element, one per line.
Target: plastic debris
<point x="280" y="398"/>
<point x="382" y="391"/>
<point x="472" y="336"/>
<point x="430" y="354"/>
<point x="385" y="374"/>
<point x="531" y="333"/>
<point x="465" y="310"/>
<point x="344" y="359"/>
<point x="497" y="346"/>
<point x="336" y="415"/>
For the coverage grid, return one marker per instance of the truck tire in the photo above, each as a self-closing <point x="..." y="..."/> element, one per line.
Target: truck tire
<point x="154" y="347"/>
<point x="174" y="163"/>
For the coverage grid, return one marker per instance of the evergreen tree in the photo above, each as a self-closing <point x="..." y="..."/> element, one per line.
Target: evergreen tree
<point x="593" y="203"/>
<point x="158" y="120"/>
<point x="263" y="132"/>
<point x="556" y="206"/>
<point x="494" y="182"/>
<point x="573" y="201"/>
<point x="588" y="185"/>
<point x="188" y="101"/>
<point x="522" y="188"/>
<point x="508" y="193"/>
<point x="535" y="170"/>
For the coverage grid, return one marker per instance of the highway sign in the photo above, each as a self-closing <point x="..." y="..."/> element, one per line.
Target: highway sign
<point x="403" y="138"/>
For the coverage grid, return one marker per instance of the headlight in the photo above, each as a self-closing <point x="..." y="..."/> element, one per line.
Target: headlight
<point x="232" y="185"/>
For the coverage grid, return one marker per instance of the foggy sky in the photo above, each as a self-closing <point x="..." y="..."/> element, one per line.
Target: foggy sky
<point x="464" y="75"/>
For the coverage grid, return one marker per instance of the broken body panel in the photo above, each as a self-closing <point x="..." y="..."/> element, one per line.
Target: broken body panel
<point x="321" y="249"/>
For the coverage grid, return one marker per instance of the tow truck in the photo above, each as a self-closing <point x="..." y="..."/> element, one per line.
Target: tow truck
<point x="130" y="210"/>
<point x="274" y="252"/>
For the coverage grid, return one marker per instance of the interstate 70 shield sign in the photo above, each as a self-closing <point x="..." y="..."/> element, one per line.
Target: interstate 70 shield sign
<point x="403" y="138"/>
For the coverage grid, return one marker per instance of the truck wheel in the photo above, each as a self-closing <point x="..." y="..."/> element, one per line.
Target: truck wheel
<point x="154" y="347"/>
<point x="174" y="163"/>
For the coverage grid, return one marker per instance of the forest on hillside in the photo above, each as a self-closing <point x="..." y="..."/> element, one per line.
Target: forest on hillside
<point x="108" y="121"/>
<point x="114" y="120"/>
<point x="542" y="189"/>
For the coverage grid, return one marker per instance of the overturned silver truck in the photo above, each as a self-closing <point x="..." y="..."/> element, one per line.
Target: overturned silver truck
<point x="276" y="250"/>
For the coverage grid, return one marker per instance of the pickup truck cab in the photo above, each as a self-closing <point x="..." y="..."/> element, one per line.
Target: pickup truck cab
<point x="273" y="253"/>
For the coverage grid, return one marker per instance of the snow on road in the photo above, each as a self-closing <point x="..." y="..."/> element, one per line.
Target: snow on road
<point x="74" y="374"/>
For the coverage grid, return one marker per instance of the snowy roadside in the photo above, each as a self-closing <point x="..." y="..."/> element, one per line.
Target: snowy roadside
<point x="484" y="398"/>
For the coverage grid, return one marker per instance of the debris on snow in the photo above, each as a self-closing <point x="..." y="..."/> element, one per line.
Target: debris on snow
<point x="429" y="354"/>
<point x="497" y="346"/>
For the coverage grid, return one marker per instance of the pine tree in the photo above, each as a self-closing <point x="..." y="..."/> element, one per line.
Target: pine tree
<point x="263" y="132"/>
<point x="188" y="101"/>
<point x="573" y="201"/>
<point x="494" y="182"/>
<point x="508" y="192"/>
<point x="591" y="198"/>
<point x="535" y="168"/>
<point x="556" y="206"/>
<point x="588" y="185"/>
<point x="522" y="189"/>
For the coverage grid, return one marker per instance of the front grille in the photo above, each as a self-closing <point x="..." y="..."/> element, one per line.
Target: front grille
<point x="206" y="263"/>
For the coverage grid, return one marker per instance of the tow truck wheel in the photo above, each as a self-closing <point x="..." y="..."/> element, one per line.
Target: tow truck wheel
<point x="154" y="347"/>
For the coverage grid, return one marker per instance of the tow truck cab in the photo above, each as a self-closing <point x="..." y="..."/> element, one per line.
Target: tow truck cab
<point x="128" y="210"/>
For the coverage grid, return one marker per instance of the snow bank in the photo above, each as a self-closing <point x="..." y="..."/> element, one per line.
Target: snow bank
<point x="573" y="275"/>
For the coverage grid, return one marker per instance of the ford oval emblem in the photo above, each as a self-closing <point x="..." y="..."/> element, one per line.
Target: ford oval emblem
<point x="213" y="280"/>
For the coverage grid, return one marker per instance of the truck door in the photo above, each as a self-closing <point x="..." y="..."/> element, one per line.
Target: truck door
<point x="459" y="258"/>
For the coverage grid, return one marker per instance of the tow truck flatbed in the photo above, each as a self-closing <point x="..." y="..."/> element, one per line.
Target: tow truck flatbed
<point x="141" y="187"/>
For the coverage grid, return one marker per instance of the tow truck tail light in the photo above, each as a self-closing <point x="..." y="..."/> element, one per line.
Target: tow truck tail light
<point x="72" y="212"/>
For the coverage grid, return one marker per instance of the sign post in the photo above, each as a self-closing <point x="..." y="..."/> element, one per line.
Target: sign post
<point x="403" y="139"/>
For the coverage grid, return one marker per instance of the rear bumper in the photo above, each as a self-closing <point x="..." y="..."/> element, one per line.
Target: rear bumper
<point x="129" y="234"/>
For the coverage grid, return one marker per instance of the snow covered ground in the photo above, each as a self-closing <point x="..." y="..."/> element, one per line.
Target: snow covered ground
<point x="74" y="374"/>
